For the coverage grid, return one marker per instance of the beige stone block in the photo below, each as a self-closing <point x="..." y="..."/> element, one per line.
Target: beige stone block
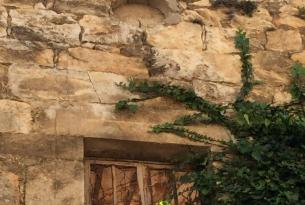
<point x="300" y="57"/>
<point x="44" y="25"/>
<point x="22" y="3"/>
<point x="135" y="14"/>
<point x="9" y="188"/>
<point x="3" y="22"/>
<point x="281" y="40"/>
<point x="69" y="183"/>
<point x="170" y="37"/>
<point x="260" y="21"/>
<point x="15" y="117"/>
<point x="27" y="81"/>
<point x="106" y="88"/>
<point x="15" y="51"/>
<point x="216" y="92"/>
<point x="101" y="61"/>
<point x="93" y="7"/>
<point x="199" y="4"/>
<point x="206" y="66"/>
<point x="57" y="182"/>
<point x="289" y="20"/>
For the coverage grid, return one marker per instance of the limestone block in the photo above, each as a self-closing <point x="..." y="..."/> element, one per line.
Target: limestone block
<point x="44" y="25"/>
<point x="300" y="57"/>
<point x="15" y="117"/>
<point x="24" y="3"/>
<point x="219" y="41"/>
<point x="101" y="61"/>
<point x="42" y="146"/>
<point x="3" y="21"/>
<point x="199" y="4"/>
<point x="104" y="30"/>
<point x="289" y="20"/>
<point x="197" y="65"/>
<point x="57" y="182"/>
<point x="106" y="88"/>
<point x="216" y="92"/>
<point x="94" y="7"/>
<point x="15" y="51"/>
<point x="27" y="81"/>
<point x="139" y="14"/>
<point x="281" y="40"/>
<point x="271" y="60"/>
<point x="171" y="37"/>
<point x="297" y="3"/>
<point x="260" y="21"/>
<point x="9" y="188"/>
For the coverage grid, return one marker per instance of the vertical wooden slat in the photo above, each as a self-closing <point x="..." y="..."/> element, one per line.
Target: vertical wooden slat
<point x="140" y="175"/>
<point x="87" y="183"/>
<point x="115" y="199"/>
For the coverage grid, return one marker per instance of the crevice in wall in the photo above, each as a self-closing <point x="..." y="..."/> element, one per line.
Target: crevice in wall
<point x="55" y="57"/>
<point x="9" y="22"/>
<point x="100" y="100"/>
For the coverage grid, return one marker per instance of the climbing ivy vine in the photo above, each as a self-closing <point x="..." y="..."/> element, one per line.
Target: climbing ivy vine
<point x="265" y="163"/>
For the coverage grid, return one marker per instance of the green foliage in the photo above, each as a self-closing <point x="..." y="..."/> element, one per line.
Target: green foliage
<point x="298" y="82"/>
<point x="301" y="13"/>
<point x="265" y="164"/>
<point x="246" y="7"/>
<point x="125" y="105"/>
<point x="242" y="43"/>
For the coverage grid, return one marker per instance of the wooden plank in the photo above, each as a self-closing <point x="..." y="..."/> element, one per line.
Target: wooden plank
<point x="140" y="175"/>
<point x="115" y="199"/>
<point x="87" y="183"/>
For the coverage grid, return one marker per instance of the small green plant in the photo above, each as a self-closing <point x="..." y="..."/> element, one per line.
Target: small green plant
<point x="246" y="7"/>
<point x="163" y="203"/>
<point x="125" y="105"/>
<point x="298" y="82"/>
<point x="301" y="13"/>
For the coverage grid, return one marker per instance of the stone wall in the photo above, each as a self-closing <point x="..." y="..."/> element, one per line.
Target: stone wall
<point x="60" y="60"/>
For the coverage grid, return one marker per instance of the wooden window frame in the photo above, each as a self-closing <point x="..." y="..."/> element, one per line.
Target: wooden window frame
<point x="139" y="165"/>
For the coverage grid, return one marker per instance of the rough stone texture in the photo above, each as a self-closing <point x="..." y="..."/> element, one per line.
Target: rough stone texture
<point x="101" y="61"/>
<point x="60" y="60"/>
<point x="281" y="40"/>
<point x="35" y="83"/>
<point x="15" y="51"/>
<point x="15" y="117"/>
<point x="44" y="25"/>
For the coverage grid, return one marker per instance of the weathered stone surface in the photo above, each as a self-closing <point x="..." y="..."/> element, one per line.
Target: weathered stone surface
<point x="9" y="188"/>
<point x="94" y="60"/>
<point x="170" y="37"/>
<point x="189" y="65"/>
<point x="24" y="3"/>
<point x="216" y="92"/>
<point x="289" y="20"/>
<point x="260" y="21"/>
<point x="44" y="25"/>
<point x="281" y="40"/>
<point x="300" y="57"/>
<point x="199" y="4"/>
<point x="139" y="14"/>
<point x="28" y="81"/>
<point x="297" y="3"/>
<point x="94" y="7"/>
<point x="15" y="117"/>
<point x="211" y="17"/>
<point x="55" y="182"/>
<point x="14" y="51"/>
<point x="106" y="31"/>
<point x="42" y="146"/>
<point x="219" y="40"/>
<point x="3" y="22"/>
<point x="106" y="88"/>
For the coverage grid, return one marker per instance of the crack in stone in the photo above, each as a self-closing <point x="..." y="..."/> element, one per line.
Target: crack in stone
<point x="100" y="100"/>
<point x="8" y="23"/>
